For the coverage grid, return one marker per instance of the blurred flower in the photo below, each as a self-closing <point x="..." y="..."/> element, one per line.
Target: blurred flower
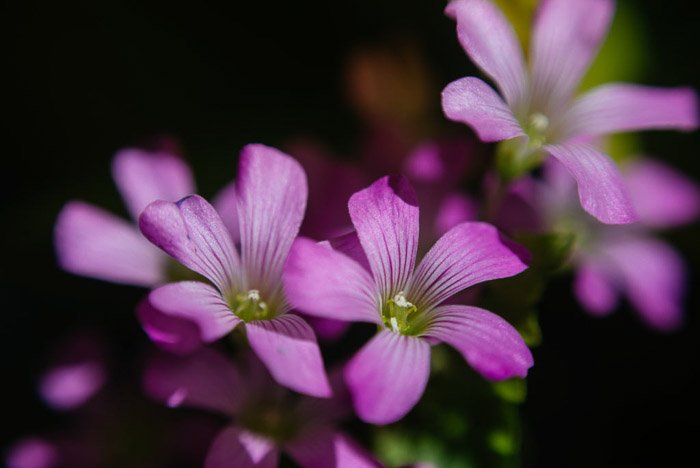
<point x="538" y="113"/>
<point x="32" y="453"/>
<point x="77" y="375"/>
<point x="92" y="242"/>
<point x="265" y="419"/>
<point x="610" y="260"/>
<point x="371" y="278"/>
<point x="247" y="287"/>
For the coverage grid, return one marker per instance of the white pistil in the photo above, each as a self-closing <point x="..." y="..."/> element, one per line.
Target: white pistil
<point x="401" y="301"/>
<point x="539" y="122"/>
<point x="394" y="324"/>
<point x="254" y="295"/>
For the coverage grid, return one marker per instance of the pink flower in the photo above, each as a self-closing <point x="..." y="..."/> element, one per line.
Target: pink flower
<point x="615" y="260"/>
<point x="246" y="288"/>
<point x="371" y="277"/>
<point x="265" y="419"/>
<point x="537" y="109"/>
<point x="92" y="242"/>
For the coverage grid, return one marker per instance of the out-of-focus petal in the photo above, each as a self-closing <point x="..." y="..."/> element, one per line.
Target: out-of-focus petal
<point x="454" y="209"/>
<point x="226" y="204"/>
<point x="199" y="303"/>
<point x="489" y="40"/>
<point x="272" y="194"/>
<point x="471" y="101"/>
<point x="68" y="386"/>
<point x="468" y="254"/>
<point x="653" y="277"/>
<point x="323" y="282"/>
<point x="327" y="448"/>
<point x="288" y="348"/>
<point x="192" y="232"/>
<point x="601" y="188"/>
<point x="92" y="242"/>
<point x="144" y="177"/>
<point x="385" y="216"/>
<point x="235" y="447"/>
<point x="205" y="380"/>
<point x="349" y="244"/>
<point x="172" y="333"/>
<point x="616" y="108"/>
<point x="566" y="36"/>
<point x="661" y="196"/>
<point x="33" y="453"/>
<point x="488" y="343"/>
<point x="387" y="377"/>
<point x="594" y="289"/>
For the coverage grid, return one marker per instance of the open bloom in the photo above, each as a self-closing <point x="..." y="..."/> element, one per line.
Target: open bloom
<point x="374" y="280"/>
<point x="264" y="418"/>
<point x="537" y="109"/>
<point x="245" y="288"/>
<point x="92" y="242"/>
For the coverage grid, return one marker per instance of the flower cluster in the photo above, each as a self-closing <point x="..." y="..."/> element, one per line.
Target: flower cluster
<point x="397" y="252"/>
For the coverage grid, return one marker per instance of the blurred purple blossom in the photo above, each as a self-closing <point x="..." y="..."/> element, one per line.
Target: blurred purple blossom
<point x="370" y="277"/>
<point x="265" y="418"/>
<point x="92" y="242"/>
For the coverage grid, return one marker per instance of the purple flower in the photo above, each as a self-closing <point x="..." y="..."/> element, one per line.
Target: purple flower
<point x="32" y="453"/>
<point x="245" y="288"/>
<point x="371" y="277"/>
<point x="615" y="260"/>
<point x="76" y="376"/>
<point x="629" y="260"/>
<point x="265" y="419"/>
<point x="92" y="242"/>
<point x="538" y="111"/>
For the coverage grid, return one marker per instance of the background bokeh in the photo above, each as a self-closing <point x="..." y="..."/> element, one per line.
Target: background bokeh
<point x="88" y="78"/>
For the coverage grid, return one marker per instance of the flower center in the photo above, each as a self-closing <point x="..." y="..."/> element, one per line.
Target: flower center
<point x="536" y="128"/>
<point x="397" y="314"/>
<point x="248" y="306"/>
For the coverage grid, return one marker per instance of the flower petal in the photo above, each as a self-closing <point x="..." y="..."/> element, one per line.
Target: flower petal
<point x="594" y="289"/>
<point x="172" y="333"/>
<point x="288" y="348"/>
<point x="144" y="177"/>
<point x="663" y="197"/>
<point x="226" y="204"/>
<point x="192" y="232"/>
<point x="622" y="108"/>
<point x="349" y="244"/>
<point x="653" y="277"/>
<point x="240" y="448"/>
<point x="471" y="101"/>
<point x="272" y="194"/>
<point x="387" y="377"/>
<point x="68" y="386"/>
<point x="326" y="448"/>
<point x="199" y="303"/>
<point x="323" y="282"/>
<point x="204" y="380"/>
<point x="92" y="242"/>
<point x="467" y="254"/>
<point x="488" y="343"/>
<point x="33" y="453"/>
<point x="489" y="40"/>
<point x="385" y="216"/>
<point x="566" y="37"/>
<point x="454" y="209"/>
<point x="601" y="189"/>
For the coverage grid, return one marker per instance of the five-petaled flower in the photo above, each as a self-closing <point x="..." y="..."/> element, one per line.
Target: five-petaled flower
<point x="246" y="288"/>
<point x="371" y="277"/>
<point x="538" y="112"/>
